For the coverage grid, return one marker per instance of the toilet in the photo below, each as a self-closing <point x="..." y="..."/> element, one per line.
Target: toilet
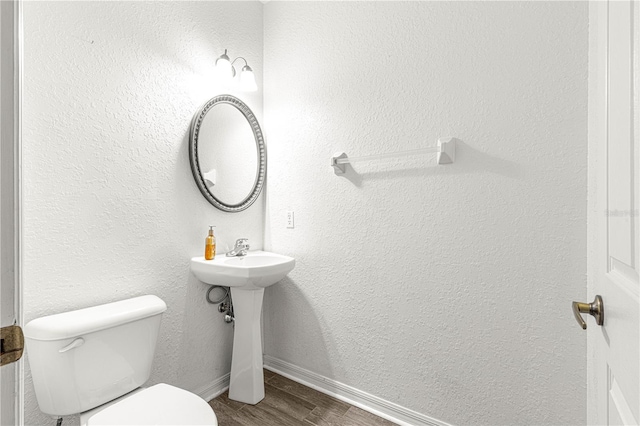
<point x="94" y="361"/>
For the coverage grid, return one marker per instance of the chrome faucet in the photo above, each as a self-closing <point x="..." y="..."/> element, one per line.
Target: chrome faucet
<point x="241" y="248"/>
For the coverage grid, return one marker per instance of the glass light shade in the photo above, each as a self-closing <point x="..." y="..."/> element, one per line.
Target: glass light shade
<point x="224" y="69"/>
<point x="248" y="80"/>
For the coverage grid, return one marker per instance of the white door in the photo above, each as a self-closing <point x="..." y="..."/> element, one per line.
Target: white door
<point x="614" y="227"/>
<point x="9" y="109"/>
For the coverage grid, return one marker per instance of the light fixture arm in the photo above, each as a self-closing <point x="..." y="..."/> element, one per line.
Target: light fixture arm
<point x="246" y="65"/>
<point x="240" y="57"/>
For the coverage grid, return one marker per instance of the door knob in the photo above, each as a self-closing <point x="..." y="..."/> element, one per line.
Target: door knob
<point x="596" y="309"/>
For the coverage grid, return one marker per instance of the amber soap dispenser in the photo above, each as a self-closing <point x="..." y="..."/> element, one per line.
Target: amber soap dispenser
<point x="210" y="245"/>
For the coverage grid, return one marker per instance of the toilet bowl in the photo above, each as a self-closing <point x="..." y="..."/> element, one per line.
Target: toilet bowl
<point x="94" y="361"/>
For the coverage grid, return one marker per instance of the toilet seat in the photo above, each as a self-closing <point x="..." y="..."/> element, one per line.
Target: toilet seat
<point x="161" y="404"/>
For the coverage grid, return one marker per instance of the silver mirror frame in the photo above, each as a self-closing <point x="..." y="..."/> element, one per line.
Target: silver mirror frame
<point x="196" y="125"/>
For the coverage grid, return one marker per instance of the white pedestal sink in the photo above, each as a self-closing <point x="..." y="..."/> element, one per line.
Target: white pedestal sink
<point x="247" y="276"/>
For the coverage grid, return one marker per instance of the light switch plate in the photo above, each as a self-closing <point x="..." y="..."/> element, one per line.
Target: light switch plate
<point x="290" y="220"/>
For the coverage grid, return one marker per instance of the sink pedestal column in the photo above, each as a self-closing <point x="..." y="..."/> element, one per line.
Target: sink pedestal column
<point x="247" y="378"/>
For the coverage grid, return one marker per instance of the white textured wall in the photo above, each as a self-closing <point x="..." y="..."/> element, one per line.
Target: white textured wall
<point x="445" y="289"/>
<point x="111" y="210"/>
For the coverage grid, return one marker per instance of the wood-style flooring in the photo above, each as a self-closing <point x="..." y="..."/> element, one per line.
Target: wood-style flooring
<point x="288" y="403"/>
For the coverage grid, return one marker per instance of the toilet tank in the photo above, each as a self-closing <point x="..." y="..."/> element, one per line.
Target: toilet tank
<point x="82" y="359"/>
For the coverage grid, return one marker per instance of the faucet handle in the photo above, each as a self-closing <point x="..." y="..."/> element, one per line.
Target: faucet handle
<point x="242" y="242"/>
<point x="241" y="248"/>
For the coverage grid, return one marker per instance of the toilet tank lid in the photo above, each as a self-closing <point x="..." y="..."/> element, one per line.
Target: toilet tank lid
<point x="82" y="321"/>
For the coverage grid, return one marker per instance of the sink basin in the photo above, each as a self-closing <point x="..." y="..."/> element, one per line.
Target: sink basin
<point x="247" y="276"/>
<point x="258" y="269"/>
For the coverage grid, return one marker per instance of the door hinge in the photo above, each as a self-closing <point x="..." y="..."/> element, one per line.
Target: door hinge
<point x="11" y="344"/>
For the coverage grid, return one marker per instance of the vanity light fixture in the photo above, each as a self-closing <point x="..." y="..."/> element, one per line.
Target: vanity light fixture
<point x="226" y="72"/>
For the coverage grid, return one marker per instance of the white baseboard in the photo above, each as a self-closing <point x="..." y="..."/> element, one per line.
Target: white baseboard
<point x="213" y="389"/>
<point x="373" y="404"/>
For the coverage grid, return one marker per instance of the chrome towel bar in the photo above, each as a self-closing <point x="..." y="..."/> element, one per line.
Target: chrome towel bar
<point x="445" y="150"/>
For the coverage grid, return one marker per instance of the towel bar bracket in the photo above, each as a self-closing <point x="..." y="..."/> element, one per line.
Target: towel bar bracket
<point x="339" y="169"/>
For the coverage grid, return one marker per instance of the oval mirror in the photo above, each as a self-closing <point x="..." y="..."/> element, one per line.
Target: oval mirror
<point x="227" y="153"/>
